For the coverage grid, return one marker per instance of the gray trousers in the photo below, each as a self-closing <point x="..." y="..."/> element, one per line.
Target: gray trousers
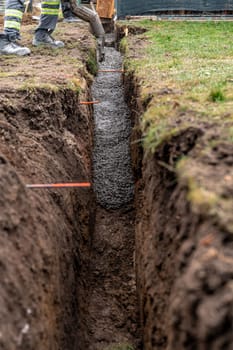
<point x="13" y="16"/>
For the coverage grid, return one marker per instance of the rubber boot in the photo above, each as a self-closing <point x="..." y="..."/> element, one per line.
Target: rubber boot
<point x="8" y="47"/>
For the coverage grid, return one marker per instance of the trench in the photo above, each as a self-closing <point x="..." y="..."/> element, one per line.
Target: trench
<point x="109" y="315"/>
<point x="104" y="295"/>
<point x="74" y="286"/>
<point x="108" y="308"/>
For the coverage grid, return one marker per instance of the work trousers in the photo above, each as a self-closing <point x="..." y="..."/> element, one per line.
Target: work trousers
<point x="14" y="12"/>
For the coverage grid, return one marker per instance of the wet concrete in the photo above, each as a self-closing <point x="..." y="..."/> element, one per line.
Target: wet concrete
<point x="113" y="179"/>
<point x="109" y="317"/>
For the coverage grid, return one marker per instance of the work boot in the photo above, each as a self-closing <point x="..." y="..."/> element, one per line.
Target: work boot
<point x="43" y="38"/>
<point x="8" y="47"/>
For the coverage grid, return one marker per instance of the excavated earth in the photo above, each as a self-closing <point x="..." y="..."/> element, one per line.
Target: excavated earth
<point x="46" y="137"/>
<point x="184" y="229"/>
<point x="66" y="260"/>
<point x="68" y="256"/>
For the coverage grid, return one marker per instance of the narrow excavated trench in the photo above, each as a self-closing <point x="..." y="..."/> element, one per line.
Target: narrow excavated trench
<point x="74" y="284"/>
<point x="110" y="316"/>
<point x="131" y="266"/>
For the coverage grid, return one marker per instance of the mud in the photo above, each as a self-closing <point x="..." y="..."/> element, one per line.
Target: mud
<point x="113" y="178"/>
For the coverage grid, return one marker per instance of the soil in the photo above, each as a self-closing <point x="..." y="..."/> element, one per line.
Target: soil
<point x="42" y="231"/>
<point x="68" y="257"/>
<point x="183" y="239"/>
<point x="46" y="137"/>
<point x="184" y="263"/>
<point x="110" y="318"/>
<point x="67" y="271"/>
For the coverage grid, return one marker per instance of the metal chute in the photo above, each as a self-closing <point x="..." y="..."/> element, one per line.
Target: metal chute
<point x="91" y="16"/>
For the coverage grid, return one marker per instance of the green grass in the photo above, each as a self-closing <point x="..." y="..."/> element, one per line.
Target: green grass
<point x="217" y="95"/>
<point x="92" y="64"/>
<point x="123" y="46"/>
<point x="187" y="68"/>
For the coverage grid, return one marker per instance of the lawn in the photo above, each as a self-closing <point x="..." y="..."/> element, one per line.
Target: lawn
<point x="185" y="71"/>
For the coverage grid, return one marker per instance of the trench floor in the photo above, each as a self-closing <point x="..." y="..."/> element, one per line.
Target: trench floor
<point x="110" y="319"/>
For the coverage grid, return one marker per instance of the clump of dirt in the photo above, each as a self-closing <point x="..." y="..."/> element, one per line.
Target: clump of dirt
<point x="123" y="30"/>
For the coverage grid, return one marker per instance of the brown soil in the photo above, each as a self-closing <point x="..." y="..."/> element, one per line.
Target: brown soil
<point x="110" y="318"/>
<point x="42" y="231"/>
<point x="46" y="137"/>
<point x="184" y="237"/>
<point x="184" y="266"/>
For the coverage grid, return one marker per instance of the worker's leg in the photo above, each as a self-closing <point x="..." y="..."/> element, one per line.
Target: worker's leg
<point x="12" y="22"/>
<point x="48" y="21"/>
<point x="13" y="17"/>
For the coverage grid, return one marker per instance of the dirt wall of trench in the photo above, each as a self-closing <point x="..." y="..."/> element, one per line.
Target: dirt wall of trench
<point x="46" y="137"/>
<point x="183" y="254"/>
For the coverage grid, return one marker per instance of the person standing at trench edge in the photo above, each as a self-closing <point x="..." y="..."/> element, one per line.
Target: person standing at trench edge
<point x="9" y="44"/>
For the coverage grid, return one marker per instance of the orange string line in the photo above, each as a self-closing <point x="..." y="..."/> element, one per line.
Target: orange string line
<point x="60" y="185"/>
<point x="88" y="102"/>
